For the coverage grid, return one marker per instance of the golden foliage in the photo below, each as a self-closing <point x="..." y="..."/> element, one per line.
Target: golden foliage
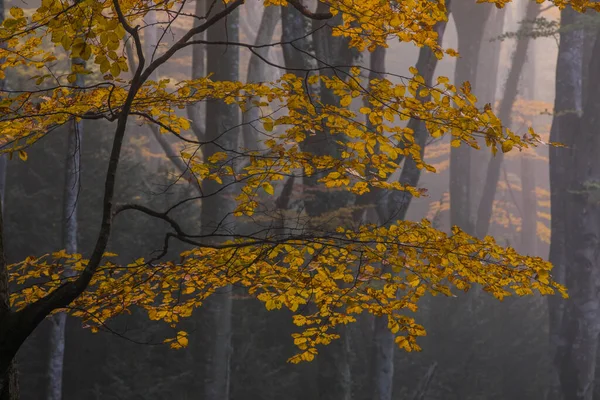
<point x="339" y="271"/>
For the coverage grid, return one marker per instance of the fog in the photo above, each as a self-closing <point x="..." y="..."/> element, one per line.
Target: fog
<point x="532" y="64"/>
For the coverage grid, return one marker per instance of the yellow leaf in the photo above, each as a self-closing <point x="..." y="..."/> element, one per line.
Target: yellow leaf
<point x="268" y="124"/>
<point x="268" y="188"/>
<point x="16" y="12"/>
<point x="507" y="145"/>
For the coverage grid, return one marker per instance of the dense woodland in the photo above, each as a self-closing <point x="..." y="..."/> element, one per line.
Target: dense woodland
<point x="301" y="199"/>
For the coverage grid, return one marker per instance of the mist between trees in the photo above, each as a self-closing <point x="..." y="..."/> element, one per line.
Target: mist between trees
<point x="301" y="199"/>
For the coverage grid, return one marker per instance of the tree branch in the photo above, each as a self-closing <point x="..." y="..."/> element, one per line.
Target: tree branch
<point x="309" y="14"/>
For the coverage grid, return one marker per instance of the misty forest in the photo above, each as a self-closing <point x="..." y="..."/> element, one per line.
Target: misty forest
<point x="299" y="199"/>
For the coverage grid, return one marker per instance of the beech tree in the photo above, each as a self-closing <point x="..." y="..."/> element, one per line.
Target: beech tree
<point x="326" y="268"/>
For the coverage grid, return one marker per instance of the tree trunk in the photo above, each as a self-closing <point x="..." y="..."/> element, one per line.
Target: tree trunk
<point x="383" y="364"/>
<point x="578" y="336"/>
<point x="567" y="110"/>
<point x="256" y="72"/>
<point x="195" y="111"/>
<point x="486" y="84"/>
<point x="9" y="382"/>
<point x="222" y="128"/>
<point x="470" y="25"/>
<point x="484" y="212"/>
<point x="528" y="242"/>
<point x="70" y="231"/>
<point x="382" y="360"/>
<point x="335" y="375"/>
<point x="151" y="38"/>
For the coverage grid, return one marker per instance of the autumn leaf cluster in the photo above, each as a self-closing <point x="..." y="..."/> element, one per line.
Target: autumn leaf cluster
<point x="340" y="272"/>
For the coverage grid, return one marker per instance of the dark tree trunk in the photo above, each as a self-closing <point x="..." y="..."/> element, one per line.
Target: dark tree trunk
<point x="335" y="377"/>
<point x="486" y="84"/>
<point x="223" y="128"/>
<point x="257" y="72"/>
<point x="529" y="242"/>
<point x="470" y="24"/>
<point x="383" y="360"/>
<point x="567" y="110"/>
<point x="578" y="336"/>
<point x="484" y="211"/>
<point x="9" y="382"/>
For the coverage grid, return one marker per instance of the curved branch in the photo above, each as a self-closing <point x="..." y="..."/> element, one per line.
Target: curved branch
<point x="309" y="14"/>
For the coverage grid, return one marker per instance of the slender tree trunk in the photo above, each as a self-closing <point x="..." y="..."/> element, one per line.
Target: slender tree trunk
<point x="383" y="363"/>
<point x="195" y="111"/>
<point x="157" y="143"/>
<point x="9" y="382"/>
<point x="484" y="212"/>
<point x="470" y="25"/>
<point x="487" y="85"/>
<point x="222" y="128"/>
<point x="256" y="71"/>
<point x="70" y="232"/>
<point x="293" y="26"/>
<point x="335" y="375"/>
<point x="528" y="242"/>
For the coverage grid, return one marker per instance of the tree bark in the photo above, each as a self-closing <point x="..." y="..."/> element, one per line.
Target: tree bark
<point x="529" y="242"/>
<point x="578" y="336"/>
<point x="257" y="72"/>
<point x="470" y="26"/>
<point x="484" y="211"/>
<point x="195" y="111"/>
<point x="9" y="380"/>
<point x="383" y="363"/>
<point x="382" y="360"/>
<point x="70" y="232"/>
<point x="487" y="85"/>
<point x="222" y="128"/>
<point x="335" y="375"/>
<point x="567" y="111"/>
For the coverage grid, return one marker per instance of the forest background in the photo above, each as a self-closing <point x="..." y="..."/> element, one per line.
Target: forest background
<point x="532" y="63"/>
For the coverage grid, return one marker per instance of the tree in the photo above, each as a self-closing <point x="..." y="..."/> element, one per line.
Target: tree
<point x="70" y="233"/>
<point x="575" y="171"/>
<point x="333" y="269"/>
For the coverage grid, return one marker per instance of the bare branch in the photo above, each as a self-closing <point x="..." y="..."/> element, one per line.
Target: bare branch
<point x="309" y="14"/>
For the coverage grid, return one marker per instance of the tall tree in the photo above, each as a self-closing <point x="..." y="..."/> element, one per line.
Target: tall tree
<point x="511" y="89"/>
<point x="470" y="25"/>
<point x="9" y="384"/>
<point x="257" y="71"/>
<point x="576" y="353"/>
<point x="70" y="232"/>
<point x="565" y="122"/>
<point x="382" y="359"/>
<point x="529" y="238"/>
<point x="397" y="208"/>
<point x="221" y="132"/>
